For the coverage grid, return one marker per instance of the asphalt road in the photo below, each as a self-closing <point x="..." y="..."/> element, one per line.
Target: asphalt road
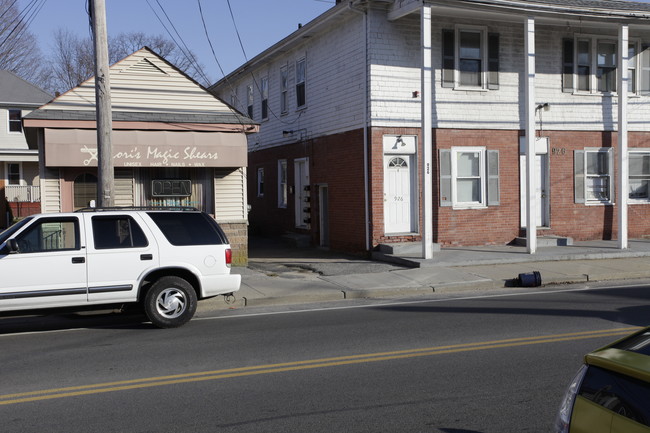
<point x="492" y="362"/>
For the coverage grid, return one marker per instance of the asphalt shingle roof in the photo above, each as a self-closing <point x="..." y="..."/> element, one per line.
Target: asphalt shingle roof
<point x="16" y="91"/>
<point x="127" y="116"/>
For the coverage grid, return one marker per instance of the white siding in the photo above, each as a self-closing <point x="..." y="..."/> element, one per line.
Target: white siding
<point x="50" y="191"/>
<point x="335" y="89"/>
<point x="124" y="190"/>
<point x="230" y="195"/>
<point x="11" y="140"/>
<point x="143" y="82"/>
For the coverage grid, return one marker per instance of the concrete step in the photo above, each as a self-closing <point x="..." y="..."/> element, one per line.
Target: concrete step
<point x="547" y="241"/>
<point x="404" y="248"/>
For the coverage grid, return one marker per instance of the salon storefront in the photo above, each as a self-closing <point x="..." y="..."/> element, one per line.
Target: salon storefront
<point x="176" y="153"/>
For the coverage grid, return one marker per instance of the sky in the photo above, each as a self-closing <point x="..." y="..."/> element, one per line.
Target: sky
<point x="261" y="23"/>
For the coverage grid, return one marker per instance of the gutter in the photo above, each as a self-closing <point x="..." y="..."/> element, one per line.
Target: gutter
<point x="552" y="9"/>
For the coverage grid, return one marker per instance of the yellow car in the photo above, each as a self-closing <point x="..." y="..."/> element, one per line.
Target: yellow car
<point x="611" y="391"/>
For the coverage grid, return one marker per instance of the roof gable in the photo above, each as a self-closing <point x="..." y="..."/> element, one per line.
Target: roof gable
<point x="144" y="82"/>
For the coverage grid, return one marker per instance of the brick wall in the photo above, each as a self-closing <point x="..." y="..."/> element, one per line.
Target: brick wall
<point x="490" y="225"/>
<point x="238" y="236"/>
<point x="335" y="161"/>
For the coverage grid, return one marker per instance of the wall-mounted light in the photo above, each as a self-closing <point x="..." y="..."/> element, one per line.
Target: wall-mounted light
<point x="292" y="132"/>
<point x="542" y="107"/>
<point x="416" y="93"/>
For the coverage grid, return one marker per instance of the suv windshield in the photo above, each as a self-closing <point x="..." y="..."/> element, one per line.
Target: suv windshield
<point x="13" y="229"/>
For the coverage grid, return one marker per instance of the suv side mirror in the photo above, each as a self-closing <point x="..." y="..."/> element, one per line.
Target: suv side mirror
<point x="13" y="246"/>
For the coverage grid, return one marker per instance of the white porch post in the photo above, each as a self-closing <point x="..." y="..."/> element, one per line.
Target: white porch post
<point x="427" y="140"/>
<point x="623" y="167"/>
<point x="529" y="90"/>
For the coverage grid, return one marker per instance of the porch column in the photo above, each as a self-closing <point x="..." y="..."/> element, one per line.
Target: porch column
<point x="427" y="141"/>
<point x="623" y="167"/>
<point x="529" y="90"/>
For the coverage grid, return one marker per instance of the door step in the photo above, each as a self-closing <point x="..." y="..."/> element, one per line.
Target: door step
<point x="547" y="241"/>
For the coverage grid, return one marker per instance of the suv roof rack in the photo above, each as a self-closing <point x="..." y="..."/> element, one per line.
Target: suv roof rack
<point x="145" y="208"/>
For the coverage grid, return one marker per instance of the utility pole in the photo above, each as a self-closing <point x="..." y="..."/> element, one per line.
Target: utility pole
<point x="102" y="105"/>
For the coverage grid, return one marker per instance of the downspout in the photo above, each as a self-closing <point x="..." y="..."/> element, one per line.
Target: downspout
<point x="366" y="124"/>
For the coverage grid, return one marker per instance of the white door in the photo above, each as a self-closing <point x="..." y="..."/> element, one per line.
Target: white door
<point x="120" y="252"/>
<point x="49" y="270"/>
<point x="303" y="193"/>
<point x="397" y="193"/>
<point x="541" y="194"/>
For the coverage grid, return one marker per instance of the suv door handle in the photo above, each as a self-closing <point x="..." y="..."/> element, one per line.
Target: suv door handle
<point x="76" y="260"/>
<point x="146" y="256"/>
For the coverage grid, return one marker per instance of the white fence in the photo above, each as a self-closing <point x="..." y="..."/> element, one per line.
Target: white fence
<point x="20" y="193"/>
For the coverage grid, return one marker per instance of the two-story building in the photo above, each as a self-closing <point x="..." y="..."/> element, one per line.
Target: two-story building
<point x="19" y="181"/>
<point x="456" y="122"/>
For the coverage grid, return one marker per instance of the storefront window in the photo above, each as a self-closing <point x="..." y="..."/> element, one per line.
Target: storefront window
<point x="85" y="190"/>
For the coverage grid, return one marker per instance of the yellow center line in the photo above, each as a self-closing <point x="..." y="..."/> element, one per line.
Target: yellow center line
<point x="124" y="385"/>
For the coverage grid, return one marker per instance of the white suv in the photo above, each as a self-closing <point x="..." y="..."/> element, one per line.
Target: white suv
<point x="166" y="259"/>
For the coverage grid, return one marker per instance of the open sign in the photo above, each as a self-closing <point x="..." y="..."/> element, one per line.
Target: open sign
<point x="171" y="188"/>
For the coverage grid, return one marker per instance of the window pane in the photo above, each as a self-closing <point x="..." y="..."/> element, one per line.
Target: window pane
<point x="190" y="228"/>
<point x="606" y="54"/>
<point x="300" y="71"/>
<point x="620" y="394"/>
<point x="638" y="189"/>
<point x="584" y="77"/>
<point x="470" y="72"/>
<point x="583" y="53"/>
<point x="606" y="79"/>
<point x="468" y="164"/>
<point x="468" y="190"/>
<point x="631" y="80"/>
<point x="85" y="190"/>
<point x="15" y="124"/>
<point x="13" y="174"/>
<point x="470" y="45"/>
<point x="117" y="232"/>
<point x="639" y="164"/>
<point x="598" y="188"/>
<point x="597" y="163"/>
<point x="48" y="236"/>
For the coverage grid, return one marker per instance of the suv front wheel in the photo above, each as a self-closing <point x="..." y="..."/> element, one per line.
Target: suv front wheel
<point x="171" y="302"/>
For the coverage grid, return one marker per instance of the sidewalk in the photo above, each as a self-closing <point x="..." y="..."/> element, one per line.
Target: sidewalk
<point x="280" y="274"/>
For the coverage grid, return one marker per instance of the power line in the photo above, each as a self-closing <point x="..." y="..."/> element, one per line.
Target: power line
<point x="237" y="30"/>
<point x="24" y="19"/>
<point x="257" y="86"/>
<point x="187" y="54"/>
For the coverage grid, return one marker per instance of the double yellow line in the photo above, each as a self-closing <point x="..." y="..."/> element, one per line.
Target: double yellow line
<point x="125" y="385"/>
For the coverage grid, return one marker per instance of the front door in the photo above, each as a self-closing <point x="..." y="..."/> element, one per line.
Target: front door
<point x="50" y="267"/>
<point x="541" y="190"/>
<point x="397" y="193"/>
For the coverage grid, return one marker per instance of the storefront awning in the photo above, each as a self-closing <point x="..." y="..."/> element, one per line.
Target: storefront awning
<point x="136" y="148"/>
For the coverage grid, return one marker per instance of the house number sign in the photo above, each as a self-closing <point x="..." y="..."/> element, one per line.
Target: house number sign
<point x="559" y="151"/>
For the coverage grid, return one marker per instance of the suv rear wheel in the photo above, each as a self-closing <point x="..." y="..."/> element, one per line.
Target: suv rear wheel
<point x="171" y="302"/>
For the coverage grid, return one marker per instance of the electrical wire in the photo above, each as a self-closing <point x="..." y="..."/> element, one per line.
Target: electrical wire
<point x="23" y="20"/>
<point x="8" y="9"/>
<point x="187" y="55"/>
<point x="257" y="86"/>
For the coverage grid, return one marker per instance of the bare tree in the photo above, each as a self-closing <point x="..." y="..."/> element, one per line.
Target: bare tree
<point x="19" y="52"/>
<point x="72" y="57"/>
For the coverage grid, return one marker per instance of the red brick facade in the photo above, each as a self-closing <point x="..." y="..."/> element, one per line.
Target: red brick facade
<point x="338" y="162"/>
